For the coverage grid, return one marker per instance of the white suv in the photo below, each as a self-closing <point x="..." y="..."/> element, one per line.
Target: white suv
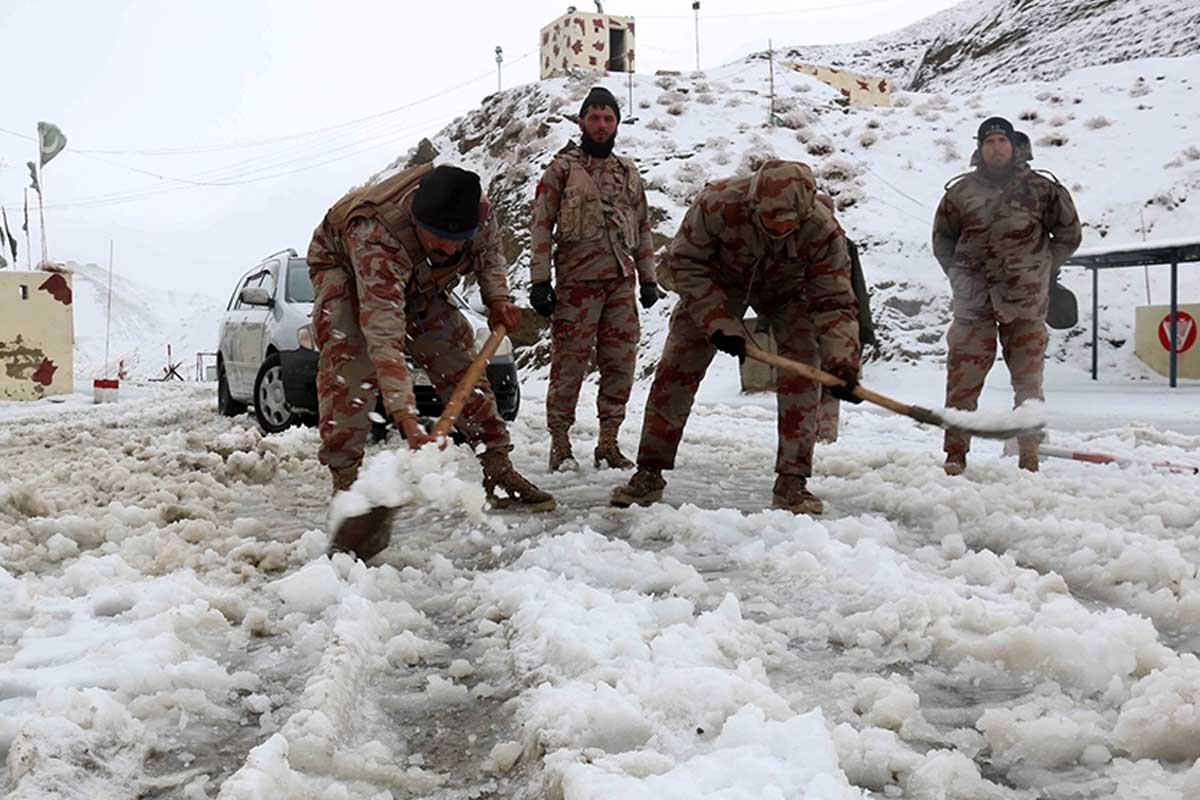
<point x="266" y="356"/>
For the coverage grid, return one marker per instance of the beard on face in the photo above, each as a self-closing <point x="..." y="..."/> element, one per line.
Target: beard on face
<point x="441" y="258"/>
<point x="594" y="148"/>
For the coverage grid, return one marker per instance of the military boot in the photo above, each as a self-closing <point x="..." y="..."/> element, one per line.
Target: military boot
<point x="561" y="457"/>
<point x="644" y="488"/>
<point x="956" y="463"/>
<point x="607" y="449"/>
<point x="499" y="473"/>
<point x="791" y="494"/>
<point x="1027" y="454"/>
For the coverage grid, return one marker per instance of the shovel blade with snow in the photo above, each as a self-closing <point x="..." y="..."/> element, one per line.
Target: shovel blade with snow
<point x="999" y="430"/>
<point x="368" y="533"/>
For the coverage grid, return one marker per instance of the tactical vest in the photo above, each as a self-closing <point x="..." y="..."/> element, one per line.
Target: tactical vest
<point x="384" y="201"/>
<point x="581" y="211"/>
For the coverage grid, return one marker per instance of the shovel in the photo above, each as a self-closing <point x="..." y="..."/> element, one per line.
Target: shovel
<point x="918" y="413"/>
<point x="368" y="533"/>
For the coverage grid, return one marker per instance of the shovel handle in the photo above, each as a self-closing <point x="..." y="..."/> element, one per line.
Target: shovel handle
<point x="467" y="384"/>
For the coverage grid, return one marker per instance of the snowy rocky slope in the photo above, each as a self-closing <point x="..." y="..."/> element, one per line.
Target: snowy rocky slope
<point x="1120" y="136"/>
<point x="987" y="43"/>
<point x="144" y="321"/>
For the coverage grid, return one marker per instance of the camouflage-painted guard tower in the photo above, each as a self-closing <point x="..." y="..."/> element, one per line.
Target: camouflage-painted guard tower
<point x="37" y="334"/>
<point x="580" y="40"/>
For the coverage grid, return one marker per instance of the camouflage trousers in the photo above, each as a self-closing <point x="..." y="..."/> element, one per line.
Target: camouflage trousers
<point x="972" y="351"/>
<point x="598" y="317"/>
<point x="685" y="359"/>
<point x="439" y="339"/>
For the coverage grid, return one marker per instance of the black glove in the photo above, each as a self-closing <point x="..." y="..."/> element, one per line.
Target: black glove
<point x="850" y="376"/>
<point x="542" y="298"/>
<point x="734" y="345"/>
<point x="649" y="294"/>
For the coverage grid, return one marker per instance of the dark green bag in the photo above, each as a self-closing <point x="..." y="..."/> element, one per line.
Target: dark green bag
<point x="1063" y="312"/>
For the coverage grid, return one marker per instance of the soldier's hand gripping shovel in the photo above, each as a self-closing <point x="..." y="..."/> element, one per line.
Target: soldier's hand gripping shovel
<point x="915" y="412"/>
<point x="368" y="533"/>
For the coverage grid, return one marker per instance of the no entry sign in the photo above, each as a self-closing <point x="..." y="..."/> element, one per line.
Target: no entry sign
<point x="1185" y="330"/>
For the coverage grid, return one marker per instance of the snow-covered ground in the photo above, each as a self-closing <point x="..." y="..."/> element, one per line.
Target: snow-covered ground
<point x="170" y="627"/>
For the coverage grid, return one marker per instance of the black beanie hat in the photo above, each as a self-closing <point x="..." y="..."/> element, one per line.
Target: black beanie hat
<point x="599" y="96"/>
<point x="447" y="203"/>
<point x="994" y="125"/>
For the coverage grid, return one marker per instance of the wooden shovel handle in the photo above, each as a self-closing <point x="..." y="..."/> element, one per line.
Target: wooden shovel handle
<point x="467" y="384"/>
<point x="824" y="378"/>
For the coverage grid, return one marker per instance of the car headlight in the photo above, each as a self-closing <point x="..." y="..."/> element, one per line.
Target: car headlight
<point x="304" y="335"/>
<point x="481" y="337"/>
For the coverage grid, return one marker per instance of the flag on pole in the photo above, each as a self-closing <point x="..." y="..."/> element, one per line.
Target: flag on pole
<point x="25" y="226"/>
<point x="50" y="141"/>
<point x="33" y="181"/>
<point x="12" y="240"/>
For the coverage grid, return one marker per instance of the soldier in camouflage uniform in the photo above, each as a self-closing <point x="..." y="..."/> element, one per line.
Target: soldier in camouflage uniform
<point x="590" y="217"/>
<point x="999" y="233"/>
<point x="760" y="241"/>
<point x="382" y="262"/>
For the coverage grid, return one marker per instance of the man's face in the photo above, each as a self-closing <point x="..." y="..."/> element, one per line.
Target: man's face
<point x="438" y="249"/>
<point x="599" y="123"/>
<point x="997" y="151"/>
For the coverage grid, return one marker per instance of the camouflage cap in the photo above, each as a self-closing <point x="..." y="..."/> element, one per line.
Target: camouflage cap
<point x="783" y="193"/>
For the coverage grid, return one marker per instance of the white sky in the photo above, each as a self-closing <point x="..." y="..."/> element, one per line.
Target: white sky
<point x="218" y="76"/>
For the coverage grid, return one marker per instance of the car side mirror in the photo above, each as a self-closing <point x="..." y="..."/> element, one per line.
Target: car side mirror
<point x="256" y="296"/>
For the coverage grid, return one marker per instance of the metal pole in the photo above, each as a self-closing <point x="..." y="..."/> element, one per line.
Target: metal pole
<point x="42" y="214"/>
<point x="696" y="10"/>
<point x="28" y="246"/>
<point x="771" y="61"/>
<point x="108" y="316"/>
<point x="1095" y="320"/>
<point x="1174" y="316"/>
<point x="499" y="61"/>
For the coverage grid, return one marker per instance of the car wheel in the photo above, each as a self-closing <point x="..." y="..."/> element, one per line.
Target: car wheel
<point x="226" y="405"/>
<point x="270" y="402"/>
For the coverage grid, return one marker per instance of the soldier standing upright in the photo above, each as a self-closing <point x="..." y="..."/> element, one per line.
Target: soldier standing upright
<point x="999" y="234"/>
<point x="760" y="241"/>
<point x="382" y="262"/>
<point x="590" y="217"/>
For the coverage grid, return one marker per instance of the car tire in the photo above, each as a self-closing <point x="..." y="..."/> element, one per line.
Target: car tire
<point x="270" y="403"/>
<point x="226" y="405"/>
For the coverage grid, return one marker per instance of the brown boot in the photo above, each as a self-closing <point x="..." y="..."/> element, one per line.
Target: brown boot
<point x="561" y="457"/>
<point x="644" y="488"/>
<point x="499" y="473"/>
<point x="1027" y="457"/>
<point x="343" y="478"/>
<point x="791" y="493"/>
<point x="956" y="463"/>
<point x="607" y="449"/>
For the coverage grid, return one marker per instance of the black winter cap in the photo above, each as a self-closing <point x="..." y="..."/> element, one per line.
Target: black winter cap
<point x="599" y="96"/>
<point x="447" y="202"/>
<point x="994" y="125"/>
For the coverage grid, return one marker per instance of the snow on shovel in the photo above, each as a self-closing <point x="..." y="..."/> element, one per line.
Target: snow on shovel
<point x="361" y="521"/>
<point x="1021" y="422"/>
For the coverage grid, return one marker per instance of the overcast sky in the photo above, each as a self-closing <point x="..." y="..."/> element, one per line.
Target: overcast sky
<point x="156" y="97"/>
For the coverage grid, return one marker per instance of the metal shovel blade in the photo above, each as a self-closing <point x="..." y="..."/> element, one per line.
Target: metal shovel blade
<point x="366" y="534"/>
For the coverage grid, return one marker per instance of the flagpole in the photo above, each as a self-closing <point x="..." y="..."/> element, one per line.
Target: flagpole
<point x="28" y="247"/>
<point x="108" y="315"/>
<point x="41" y="214"/>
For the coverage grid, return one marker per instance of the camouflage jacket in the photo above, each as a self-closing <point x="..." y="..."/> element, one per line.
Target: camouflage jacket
<point x="721" y="250"/>
<point x="999" y="242"/>
<point x="387" y="278"/>
<point x="590" y="215"/>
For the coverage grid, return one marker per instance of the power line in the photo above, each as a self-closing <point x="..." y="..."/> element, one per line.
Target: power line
<point x="779" y="13"/>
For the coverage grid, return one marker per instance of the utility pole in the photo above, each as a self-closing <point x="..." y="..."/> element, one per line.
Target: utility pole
<point x="629" y="76"/>
<point x="696" y="10"/>
<point x="771" y="61"/>
<point x="499" y="61"/>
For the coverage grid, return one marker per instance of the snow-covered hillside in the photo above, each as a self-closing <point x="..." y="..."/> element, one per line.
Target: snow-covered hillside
<point x="987" y="43"/>
<point x="144" y="321"/>
<point x="1121" y="137"/>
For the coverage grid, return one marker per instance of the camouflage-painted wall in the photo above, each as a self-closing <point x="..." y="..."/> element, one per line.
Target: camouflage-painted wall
<point x="581" y="41"/>
<point x="37" y="334"/>
<point x="860" y="90"/>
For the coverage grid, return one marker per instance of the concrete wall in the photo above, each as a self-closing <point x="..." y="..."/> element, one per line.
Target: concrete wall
<point x="858" y="89"/>
<point x="1152" y="336"/>
<point x="581" y="41"/>
<point x="37" y="334"/>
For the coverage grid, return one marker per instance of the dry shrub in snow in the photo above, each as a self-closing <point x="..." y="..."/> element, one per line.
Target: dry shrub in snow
<point x="733" y="101"/>
<point x="659" y="125"/>
<point x="676" y="109"/>
<point x="688" y="180"/>
<point x="874" y="123"/>
<point x="1096" y="123"/>
<point x="1028" y="115"/>
<point x="665" y="81"/>
<point x="820" y="146"/>
<point x="901" y="100"/>
<point x="804" y="135"/>
<point x="644" y="104"/>
<point x="1140" y="88"/>
<point x="868" y="138"/>
<point x="671" y="98"/>
<point x="1192" y="153"/>
<point x="1174" y="163"/>
<point x="794" y="120"/>
<point x="949" y="149"/>
<point x="706" y="98"/>
<point x="754" y="157"/>
<point x="1053" y="140"/>
<point x="1058" y="120"/>
<point x="838" y="170"/>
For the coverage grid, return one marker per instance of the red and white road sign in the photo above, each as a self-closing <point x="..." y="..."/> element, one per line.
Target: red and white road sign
<point x="1185" y="329"/>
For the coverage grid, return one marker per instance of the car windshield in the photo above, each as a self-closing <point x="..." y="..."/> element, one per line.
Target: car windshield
<point x="299" y="286"/>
